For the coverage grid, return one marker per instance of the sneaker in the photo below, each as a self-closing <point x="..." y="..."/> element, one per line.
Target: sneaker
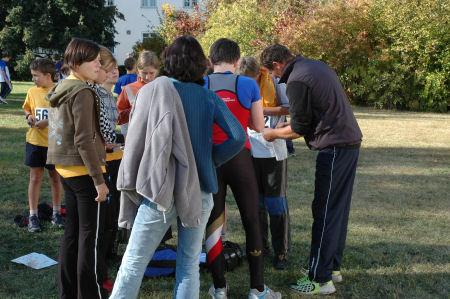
<point x="336" y="276"/>
<point x="3" y="101"/>
<point x="219" y="293"/>
<point x="266" y="294"/>
<point x="33" y="224"/>
<point x="305" y="286"/>
<point x="57" y="220"/>
<point x="280" y="262"/>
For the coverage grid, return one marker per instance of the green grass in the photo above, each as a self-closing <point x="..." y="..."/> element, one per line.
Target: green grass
<point x="399" y="232"/>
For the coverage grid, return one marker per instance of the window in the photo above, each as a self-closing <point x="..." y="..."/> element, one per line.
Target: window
<point x="109" y="2"/>
<point x="148" y="3"/>
<point x="190" y="3"/>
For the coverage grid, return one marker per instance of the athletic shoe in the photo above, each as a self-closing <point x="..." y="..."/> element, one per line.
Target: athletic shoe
<point x="305" y="286"/>
<point x="336" y="276"/>
<point x="33" y="224"/>
<point x="57" y="220"/>
<point x="266" y="294"/>
<point x="219" y="293"/>
<point x="280" y="262"/>
<point x="3" y="101"/>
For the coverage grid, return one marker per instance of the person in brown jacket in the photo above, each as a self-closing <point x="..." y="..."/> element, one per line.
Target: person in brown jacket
<point x="77" y="149"/>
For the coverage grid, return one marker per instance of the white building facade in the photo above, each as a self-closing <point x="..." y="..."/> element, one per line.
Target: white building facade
<point x="141" y="18"/>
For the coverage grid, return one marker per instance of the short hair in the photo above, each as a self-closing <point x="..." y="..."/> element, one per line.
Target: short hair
<point x="130" y="63"/>
<point x="249" y="66"/>
<point x="147" y="58"/>
<point x="185" y="60"/>
<point x="275" y="53"/>
<point x="224" y="50"/>
<point x="80" y="50"/>
<point x="43" y="65"/>
<point x="107" y="59"/>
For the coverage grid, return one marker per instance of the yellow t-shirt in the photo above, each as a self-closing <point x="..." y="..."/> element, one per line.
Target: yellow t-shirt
<point x="36" y="103"/>
<point x="117" y="155"/>
<point x="73" y="171"/>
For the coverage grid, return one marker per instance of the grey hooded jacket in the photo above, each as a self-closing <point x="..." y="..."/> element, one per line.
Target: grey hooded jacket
<point x="158" y="161"/>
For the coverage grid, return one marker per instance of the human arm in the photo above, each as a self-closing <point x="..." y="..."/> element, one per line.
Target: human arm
<point x="231" y="126"/>
<point x="276" y="111"/>
<point x="29" y="117"/>
<point x="84" y="119"/>
<point x="300" y="107"/>
<point x="256" y="121"/>
<point x="124" y="108"/>
<point x="279" y="133"/>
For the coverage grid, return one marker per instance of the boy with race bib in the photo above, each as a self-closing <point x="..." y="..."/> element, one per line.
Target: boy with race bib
<point x="36" y="115"/>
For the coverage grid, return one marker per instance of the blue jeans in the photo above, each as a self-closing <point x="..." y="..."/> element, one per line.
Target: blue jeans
<point x="148" y="230"/>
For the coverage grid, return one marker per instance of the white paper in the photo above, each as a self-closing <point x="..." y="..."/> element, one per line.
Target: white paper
<point x="35" y="260"/>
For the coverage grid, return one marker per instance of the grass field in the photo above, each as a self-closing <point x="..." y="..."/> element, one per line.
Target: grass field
<point x="399" y="232"/>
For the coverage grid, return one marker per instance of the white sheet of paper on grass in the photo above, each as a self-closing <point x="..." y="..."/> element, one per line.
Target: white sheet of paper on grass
<point x="35" y="260"/>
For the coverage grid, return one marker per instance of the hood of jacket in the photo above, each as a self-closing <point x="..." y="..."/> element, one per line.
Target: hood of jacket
<point x="64" y="91"/>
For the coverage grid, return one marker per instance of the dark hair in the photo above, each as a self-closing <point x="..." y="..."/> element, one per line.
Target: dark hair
<point x="80" y="50"/>
<point x="275" y="53"/>
<point x="185" y="60"/>
<point x="224" y="50"/>
<point x="43" y="65"/>
<point x="129" y="63"/>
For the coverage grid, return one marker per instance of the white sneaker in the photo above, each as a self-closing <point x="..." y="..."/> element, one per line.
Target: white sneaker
<point x="336" y="276"/>
<point x="266" y="294"/>
<point x="3" y="101"/>
<point x="219" y="293"/>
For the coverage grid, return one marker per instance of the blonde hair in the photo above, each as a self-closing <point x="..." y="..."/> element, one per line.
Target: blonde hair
<point x="249" y="66"/>
<point x="147" y="58"/>
<point x="107" y="59"/>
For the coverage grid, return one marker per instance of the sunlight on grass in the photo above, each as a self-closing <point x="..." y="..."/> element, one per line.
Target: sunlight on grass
<point x="399" y="231"/>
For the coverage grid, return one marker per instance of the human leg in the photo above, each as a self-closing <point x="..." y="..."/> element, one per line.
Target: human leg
<point x="189" y="248"/>
<point x="213" y="241"/>
<point x="274" y="175"/>
<point x="68" y="252"/>
<point x="334" y="178"/>
<point x="242" y="179"/>
<point x="148" y="229"/>
<point x="89" y="214"/>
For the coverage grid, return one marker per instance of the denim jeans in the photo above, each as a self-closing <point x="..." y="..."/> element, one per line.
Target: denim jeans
<point x="149" y="228"/>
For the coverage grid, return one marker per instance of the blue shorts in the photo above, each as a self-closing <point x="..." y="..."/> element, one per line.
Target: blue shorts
<point x="36" y="156"/>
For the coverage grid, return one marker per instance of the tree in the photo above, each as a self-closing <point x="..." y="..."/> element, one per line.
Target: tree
<point x="46" y="27"/>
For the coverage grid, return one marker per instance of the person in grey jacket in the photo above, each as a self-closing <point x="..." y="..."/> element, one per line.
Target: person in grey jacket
<point x="168" y="167"/>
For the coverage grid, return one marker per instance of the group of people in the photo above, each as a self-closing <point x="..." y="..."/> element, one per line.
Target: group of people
<point x="190" y="127"/>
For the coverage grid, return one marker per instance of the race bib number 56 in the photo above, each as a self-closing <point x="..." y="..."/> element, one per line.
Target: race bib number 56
<point x="41" y="113"/>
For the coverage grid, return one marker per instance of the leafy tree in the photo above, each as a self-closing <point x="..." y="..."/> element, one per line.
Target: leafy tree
<point x="248" y="22"/>
<point x="46" y="27"/>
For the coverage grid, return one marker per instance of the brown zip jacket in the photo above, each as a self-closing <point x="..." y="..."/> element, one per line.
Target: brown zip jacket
<point x="74" y="137"/>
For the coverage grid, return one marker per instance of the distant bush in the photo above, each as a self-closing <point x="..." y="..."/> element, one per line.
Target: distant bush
<point x="391" y="54"/>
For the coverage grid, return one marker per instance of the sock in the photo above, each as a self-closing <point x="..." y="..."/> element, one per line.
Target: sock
<point x="33" y="212"/>
<point x="56" y="209"/>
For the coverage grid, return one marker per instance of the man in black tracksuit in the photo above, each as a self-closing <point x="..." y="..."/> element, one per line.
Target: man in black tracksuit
<point x="321" y="113"/>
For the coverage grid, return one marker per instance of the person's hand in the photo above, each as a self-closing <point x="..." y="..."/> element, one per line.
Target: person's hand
<point x="102" y="192"/>
<point x="267" y="134"/>
<point x="110" y="146"/>
<point x="31" y="120"/>
<point x="41" y="124"/>
<point x="282" y="124"/>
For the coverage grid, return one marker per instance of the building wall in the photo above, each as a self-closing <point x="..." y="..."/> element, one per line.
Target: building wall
<point x="138" y="20"/>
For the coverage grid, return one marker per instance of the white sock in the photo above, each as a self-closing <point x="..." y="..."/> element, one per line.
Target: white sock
<point x="56" y="209"/>
<point x="33" y="212"/>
